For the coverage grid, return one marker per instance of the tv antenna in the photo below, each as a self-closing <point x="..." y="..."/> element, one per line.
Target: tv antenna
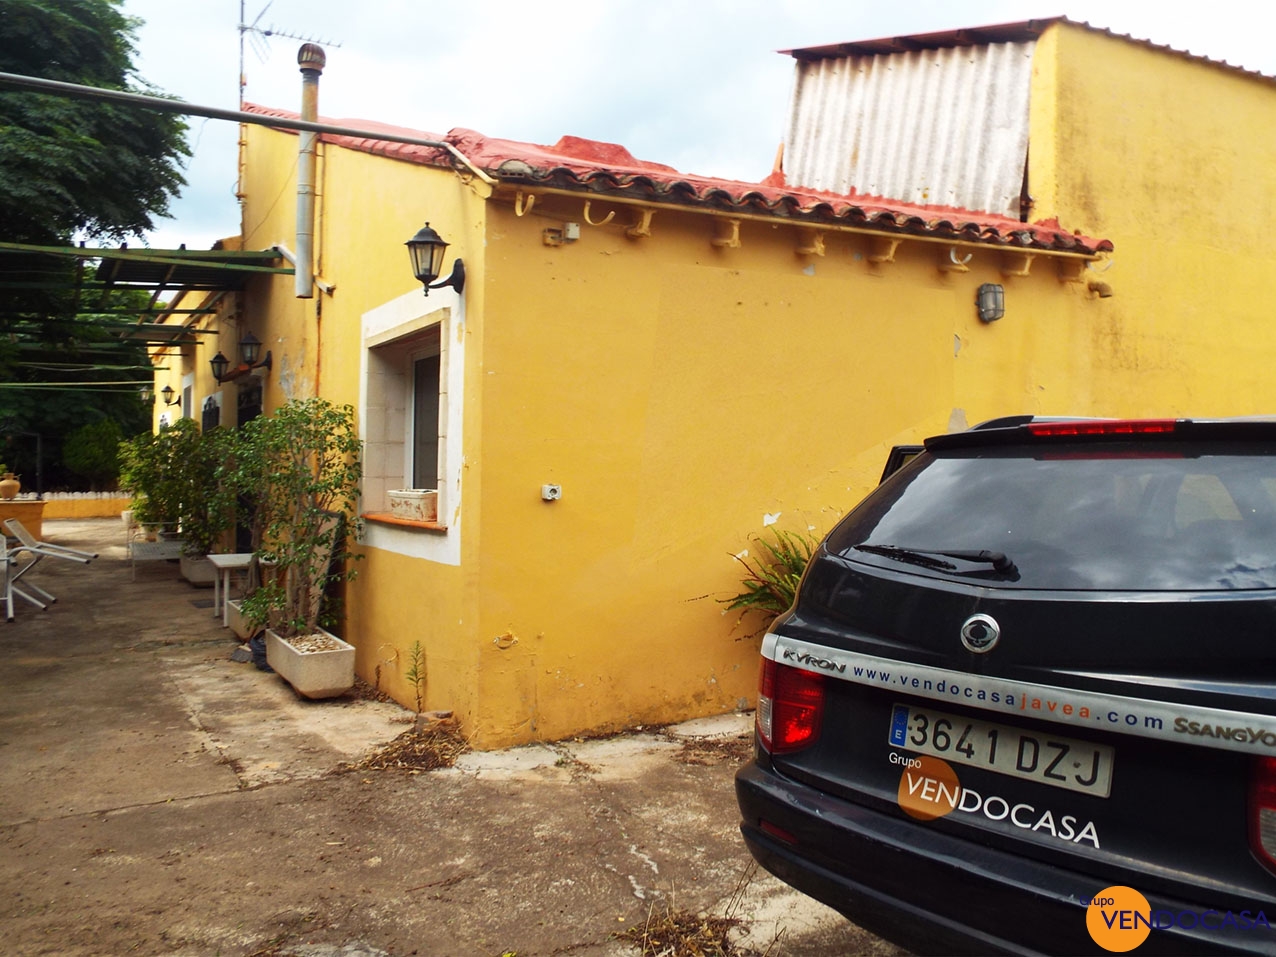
<point x="259" y="38"/>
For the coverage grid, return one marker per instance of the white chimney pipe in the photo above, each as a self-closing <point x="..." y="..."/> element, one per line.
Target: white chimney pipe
<point x="311" y="60"/>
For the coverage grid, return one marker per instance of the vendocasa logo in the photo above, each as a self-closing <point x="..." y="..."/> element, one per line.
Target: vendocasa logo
<point x="929" y="788"/>
<point x="1119" y="919"/>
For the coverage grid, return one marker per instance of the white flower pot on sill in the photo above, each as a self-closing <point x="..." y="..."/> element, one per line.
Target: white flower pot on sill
<point x="313" y="674"/>
<point x="414" y="504"/>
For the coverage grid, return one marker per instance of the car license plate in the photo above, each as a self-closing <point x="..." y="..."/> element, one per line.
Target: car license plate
<point x="1045" y="758"/>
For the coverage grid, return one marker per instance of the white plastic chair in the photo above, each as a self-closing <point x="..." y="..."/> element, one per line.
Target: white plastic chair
<point x="12" y="572"/>
<point x="7" y="562"/>
<point x="38" y="551"/>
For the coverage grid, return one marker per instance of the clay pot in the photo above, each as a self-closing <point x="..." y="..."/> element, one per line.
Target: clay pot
<point x="9" y="486"/>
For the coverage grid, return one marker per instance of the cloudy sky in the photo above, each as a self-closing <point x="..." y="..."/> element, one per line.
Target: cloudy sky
<point x="695" y="84"/>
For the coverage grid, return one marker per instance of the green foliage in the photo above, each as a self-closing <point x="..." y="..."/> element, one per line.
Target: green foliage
<point x="93" y="452"/>
<point x="205" y="504"/>
<point x="35" y="348"/>
<point x="72" y="166"/>
<point x="416" y="672"/>
<point x="147" y="470"/>
<point x="772" y="575"/>
<point x="261" y="606"/>
<point x="71" y="169"/>
<point x="305" y="461"/>
<point x="176" y="477"/>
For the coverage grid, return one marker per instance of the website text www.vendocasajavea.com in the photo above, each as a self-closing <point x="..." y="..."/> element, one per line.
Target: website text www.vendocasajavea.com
<point x="1248" y="731"/>
<point x="1007" y="701"/>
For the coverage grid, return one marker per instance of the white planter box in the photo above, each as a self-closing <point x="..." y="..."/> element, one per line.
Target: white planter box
<point x="236" y="621"/>
<point x="414" y="504"/>
<point x="312" y="674"/>
<point x="200" y="572"/>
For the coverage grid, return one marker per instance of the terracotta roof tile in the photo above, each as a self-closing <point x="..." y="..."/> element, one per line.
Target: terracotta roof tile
<point x="608" y="169"/>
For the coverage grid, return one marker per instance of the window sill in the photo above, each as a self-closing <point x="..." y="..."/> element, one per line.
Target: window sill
<point x="385" y="518"/>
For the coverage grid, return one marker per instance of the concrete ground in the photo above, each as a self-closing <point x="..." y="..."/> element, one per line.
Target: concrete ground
<point x="157" y="797"/>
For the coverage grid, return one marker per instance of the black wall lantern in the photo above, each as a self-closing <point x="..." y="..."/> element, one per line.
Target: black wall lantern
<point x="249" y="359"/>
<point x="167" y="393"/>
<point x="990" y="300"/>
<point x="426" y="250"/>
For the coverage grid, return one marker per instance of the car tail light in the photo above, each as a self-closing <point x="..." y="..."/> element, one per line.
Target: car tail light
<point x="777" y="832"/>
<point x="790" y="707"/>
<point x="1262" y="811"/>
<point x="1104" y="427"/>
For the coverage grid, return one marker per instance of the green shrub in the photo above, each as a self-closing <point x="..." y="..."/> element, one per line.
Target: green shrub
<point x="149" y="472"/>
<point x="308" y="451"/>
<point x="772" y="573"/>
<point x="92" y="453"/>
<point x="174" y="477"/>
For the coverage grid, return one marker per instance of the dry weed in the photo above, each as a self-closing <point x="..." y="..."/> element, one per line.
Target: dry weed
<point x="426" y="749"/>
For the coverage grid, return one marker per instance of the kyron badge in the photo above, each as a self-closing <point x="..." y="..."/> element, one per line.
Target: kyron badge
<point x="980" y="633"/>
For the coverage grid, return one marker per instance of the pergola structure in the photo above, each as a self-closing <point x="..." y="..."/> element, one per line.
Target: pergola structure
<point x="81" y="281"/>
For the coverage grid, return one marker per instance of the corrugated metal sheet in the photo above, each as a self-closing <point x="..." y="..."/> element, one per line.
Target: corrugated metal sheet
<point x="940" y="126"/>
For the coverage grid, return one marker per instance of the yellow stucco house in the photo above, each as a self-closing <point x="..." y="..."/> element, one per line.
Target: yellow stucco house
<point x="688" y="360"/>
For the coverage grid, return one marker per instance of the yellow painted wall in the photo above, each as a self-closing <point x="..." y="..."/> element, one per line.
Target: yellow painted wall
<point x="681" y="393"/>
<point x="367" y="208"/>
<point x="1170" y="159"/>
<point x="684" y="395"/>
<point x="85" y="507"/>
<point x="292" y="326"/>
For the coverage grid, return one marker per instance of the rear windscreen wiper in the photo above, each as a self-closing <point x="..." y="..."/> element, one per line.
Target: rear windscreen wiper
<point x="928" y="558"/>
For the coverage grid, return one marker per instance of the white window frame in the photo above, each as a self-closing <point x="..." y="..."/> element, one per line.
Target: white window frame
<point x="402" y="320"/>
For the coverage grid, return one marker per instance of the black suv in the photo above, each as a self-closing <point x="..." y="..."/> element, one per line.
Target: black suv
<point x="1025" y="701"/>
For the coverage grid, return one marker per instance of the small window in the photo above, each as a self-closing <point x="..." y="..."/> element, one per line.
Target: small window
<point x="425" y="421"/>
<point x="405" y="416"/>
<point x="212" y="415"/>
<point x="411" y="417"/>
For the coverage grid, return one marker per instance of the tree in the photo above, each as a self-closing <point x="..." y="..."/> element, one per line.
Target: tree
<point x="83" y="351"/>
<point x="91" y="452"/>
<point x="71" y="167"/>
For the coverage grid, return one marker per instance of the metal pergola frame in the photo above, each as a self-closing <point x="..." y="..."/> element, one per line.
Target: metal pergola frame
<point x="150" y="270"/>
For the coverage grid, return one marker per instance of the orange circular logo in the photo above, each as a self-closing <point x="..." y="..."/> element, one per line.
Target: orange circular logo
<point x="928" y="788"/>
<point x="1119" y="918"/>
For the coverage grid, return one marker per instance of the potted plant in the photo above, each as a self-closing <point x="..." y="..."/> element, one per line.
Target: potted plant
<point x="205" y="509"/>
<point x="178" y="490"/>
<point x="310" y="451"/>
<point x="244" y="478"/>
<point x="149" y="473"/>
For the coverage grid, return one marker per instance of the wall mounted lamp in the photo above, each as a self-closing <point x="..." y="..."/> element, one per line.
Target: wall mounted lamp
<point x="145" y="395"/>
<point x="249" y="359"/>
<point x="426" y="250"/>
<point x="167" y="393"/>
<point x="990" y="300"/>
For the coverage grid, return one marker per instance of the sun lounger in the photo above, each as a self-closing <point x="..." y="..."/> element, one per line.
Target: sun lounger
<point x="37" y="551"/>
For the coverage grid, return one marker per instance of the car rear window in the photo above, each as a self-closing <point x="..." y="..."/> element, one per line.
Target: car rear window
<point x="1144" y="516"/>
